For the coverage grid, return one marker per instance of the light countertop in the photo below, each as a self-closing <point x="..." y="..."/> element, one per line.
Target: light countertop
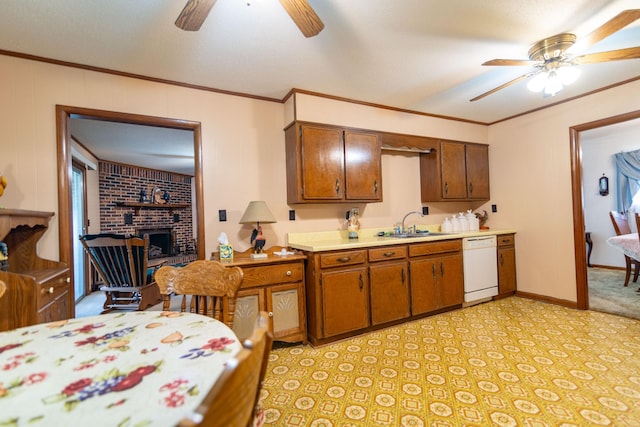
<point x="336" y="240"/>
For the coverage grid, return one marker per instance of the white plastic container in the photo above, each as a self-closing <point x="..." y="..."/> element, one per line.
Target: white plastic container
<point x="446" y="226"/>
<point x="464" y="224"/>
<point x="474" y="222"/>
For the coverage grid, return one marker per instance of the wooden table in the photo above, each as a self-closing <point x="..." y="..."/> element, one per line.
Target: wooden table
<point x="134" y="368"/>
<point x="629" y="244"/>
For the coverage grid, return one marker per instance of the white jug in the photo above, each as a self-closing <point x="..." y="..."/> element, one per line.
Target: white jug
<point x="464" y="224"/>
<point x="446" y="226"/>
<point x="474" y="223"/>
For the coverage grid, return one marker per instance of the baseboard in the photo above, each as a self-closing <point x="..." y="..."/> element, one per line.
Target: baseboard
<point x="547" y="299"/>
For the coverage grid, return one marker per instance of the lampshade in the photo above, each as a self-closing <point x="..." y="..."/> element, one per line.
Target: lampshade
<point x="553" y="80"/>
<point x="257" y="211"/>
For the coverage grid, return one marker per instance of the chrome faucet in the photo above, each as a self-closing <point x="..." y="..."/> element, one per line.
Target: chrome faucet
<point x="405" y="217"/>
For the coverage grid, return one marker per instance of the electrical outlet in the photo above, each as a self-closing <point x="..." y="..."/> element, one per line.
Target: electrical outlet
<point x="128" y="219"/>
<point x="292" y="215"/>
<point x="425" y="210"/>
<point x="494" y="208"/>
<point x="176" y="217"/>
<point x="222" y="215"/>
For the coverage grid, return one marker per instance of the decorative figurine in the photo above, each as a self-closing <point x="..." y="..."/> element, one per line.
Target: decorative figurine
<point x="259" y="239"/>
<point x="166" y="196"/>
<point x="3" y="185"/>
<point x="143" y="196"/>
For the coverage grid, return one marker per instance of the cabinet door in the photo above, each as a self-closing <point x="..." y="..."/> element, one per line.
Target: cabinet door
<point x="507" y="270"/>
<point x="285" y="304"/>
<point x="389" y="292"/>
<point x="57" y="309"/>
<point x="451" y="280"/>
<point x="454" y="177"/>
<point x="362" y="166"/>
<point x="248" y="304"/>
<point x="424" y="286"/>
<point x="345" y="301"/>
<point x="322" y="163"/>
<point x="477" y="161"/>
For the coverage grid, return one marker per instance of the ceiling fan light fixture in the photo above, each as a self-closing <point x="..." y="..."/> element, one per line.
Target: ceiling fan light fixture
<point x="568" y="74"/>
<point x="553" y="85"/>
<point x="538" y="82"/>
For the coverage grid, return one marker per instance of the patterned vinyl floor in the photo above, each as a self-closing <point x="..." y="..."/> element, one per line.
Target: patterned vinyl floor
<point x="512" y="362"/>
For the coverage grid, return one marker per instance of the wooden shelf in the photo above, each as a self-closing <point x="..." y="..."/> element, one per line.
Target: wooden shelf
<point x="140" y="205"/>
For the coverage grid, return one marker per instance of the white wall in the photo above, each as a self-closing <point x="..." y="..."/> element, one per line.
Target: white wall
<point x="531" y="183"/>
<point x="598" y="149"/>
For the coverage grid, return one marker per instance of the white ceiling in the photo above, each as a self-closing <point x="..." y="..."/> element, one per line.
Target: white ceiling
<point x="419" y="55"/>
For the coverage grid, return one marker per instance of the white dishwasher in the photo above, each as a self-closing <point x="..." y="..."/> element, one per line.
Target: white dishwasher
<point x="480" y="268"/>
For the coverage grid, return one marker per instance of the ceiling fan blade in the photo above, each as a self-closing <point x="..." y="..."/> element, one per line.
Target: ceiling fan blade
<point x="304" y="16"/>
<point x="524" y="62"/>
<point x="610" y="55"/>
<point x="616" y="23"/>
<point x="194" y="14"/>
<point x="502" y="86"/>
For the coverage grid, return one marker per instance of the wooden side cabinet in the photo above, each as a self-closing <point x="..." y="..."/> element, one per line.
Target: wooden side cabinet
<point x="389" y="277"/>
<point x="274" y="285"/>
<point x="455" y="171"/>
<point x="38" y="289"/>
<point x="506" y="265"/>
<point x="332" y="164"/>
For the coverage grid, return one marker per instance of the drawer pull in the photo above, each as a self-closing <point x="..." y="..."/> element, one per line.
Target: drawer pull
<point x="51" y="289"/>
<point x="289" y="273"/>
<point x="344" y="259"/>
<point x="67" y="280"/>
<point x="389" y="254"/>
<point x="271" y="314"/>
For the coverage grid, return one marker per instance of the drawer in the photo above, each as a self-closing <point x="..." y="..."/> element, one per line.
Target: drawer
<point x="337" y="259"/>
<point x="387" y="253"/>
<point x="53" y="288"/>
<point x="272" y="274"/>
<point x="430" y="248"/>
<point x="506" y="240"/>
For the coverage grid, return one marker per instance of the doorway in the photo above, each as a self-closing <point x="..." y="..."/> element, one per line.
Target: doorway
<point x="79" y="218"/>
<point x="580" y="247"/>
<point x="67" y="234"/>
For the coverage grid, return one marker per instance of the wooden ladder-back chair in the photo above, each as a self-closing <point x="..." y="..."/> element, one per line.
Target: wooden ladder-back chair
<point x="122" y="263"/>
<point x="207" y="287"/>
<point x="233" y="399"/>
<point x="621" y="226"/>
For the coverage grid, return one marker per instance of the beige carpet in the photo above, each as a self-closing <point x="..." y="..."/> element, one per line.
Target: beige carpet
<point x="608" y="294"/>
<point x="512" y="362"/>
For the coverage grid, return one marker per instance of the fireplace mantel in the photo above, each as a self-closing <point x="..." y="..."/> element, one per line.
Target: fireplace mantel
<point x="141" y="205"/>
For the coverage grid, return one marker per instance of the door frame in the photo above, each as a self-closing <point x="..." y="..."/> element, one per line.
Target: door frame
<point x="580" y="245"/>
<point x="63" y="137"/>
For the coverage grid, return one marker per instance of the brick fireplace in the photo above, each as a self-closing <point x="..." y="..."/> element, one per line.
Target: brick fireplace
<point x="170" y="229"/>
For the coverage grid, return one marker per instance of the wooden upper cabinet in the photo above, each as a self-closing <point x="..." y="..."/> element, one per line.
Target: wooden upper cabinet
<point x="455" y="171"/>
<point x="332" y="164"/>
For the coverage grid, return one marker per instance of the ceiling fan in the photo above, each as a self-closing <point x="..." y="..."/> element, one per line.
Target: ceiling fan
<point x="555" y="67"/>
<point x="196" y="11"/>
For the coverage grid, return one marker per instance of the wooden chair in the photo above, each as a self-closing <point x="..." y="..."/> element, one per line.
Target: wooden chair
<point x="3" y="288"/>
<point x="233" y="400"/>
<point x="211" y="287"/>
<point x="122" y="264"/>
<point x="621" y="226"/>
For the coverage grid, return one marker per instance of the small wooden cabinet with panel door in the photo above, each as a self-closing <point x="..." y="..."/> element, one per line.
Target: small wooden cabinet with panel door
<point x="506" y="265"/>
<point x="38" y="290"/>
<point x="276" y="285"/>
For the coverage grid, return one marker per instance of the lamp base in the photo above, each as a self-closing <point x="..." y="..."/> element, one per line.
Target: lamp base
<point x="259" y="256"/>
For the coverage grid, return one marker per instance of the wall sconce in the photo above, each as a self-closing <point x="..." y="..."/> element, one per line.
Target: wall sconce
<point x="603" y="185"/>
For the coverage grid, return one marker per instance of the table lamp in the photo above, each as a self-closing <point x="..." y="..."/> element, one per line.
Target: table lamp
<point x="257" y="212"/>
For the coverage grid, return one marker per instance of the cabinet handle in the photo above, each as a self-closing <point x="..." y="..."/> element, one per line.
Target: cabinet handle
<point x="289" y="273"/>
<point x="344" y="259"/>
<point x="337" y="186"/>
<point x="442" y="269"/>
<point x="361" y="282"/>
<point x="375" y="186"/>
<point x="403" y="276"/>
<point x="270" y="314"/>
<point x="388" y="254"/>
<point x="433" y="270"/>
<point x="501" y="259"/>
<point x="471" y="188"/>
<point x="446" y="188"/>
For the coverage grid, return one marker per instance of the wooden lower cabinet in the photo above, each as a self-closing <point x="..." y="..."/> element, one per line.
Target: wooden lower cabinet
<point x="274" y="285"/>
<point x="436" y="283"/>
<point x="345" y="301"/>
<point x="389" y="277"/>
<point x="506" y="265"/>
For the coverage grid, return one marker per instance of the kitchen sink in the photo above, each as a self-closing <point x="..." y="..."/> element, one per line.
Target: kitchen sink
<point x="411" y="235"/>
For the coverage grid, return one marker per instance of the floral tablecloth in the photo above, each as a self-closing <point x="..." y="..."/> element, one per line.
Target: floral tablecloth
<point x="629" y="244"/>
<point x="117" y="369"/>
